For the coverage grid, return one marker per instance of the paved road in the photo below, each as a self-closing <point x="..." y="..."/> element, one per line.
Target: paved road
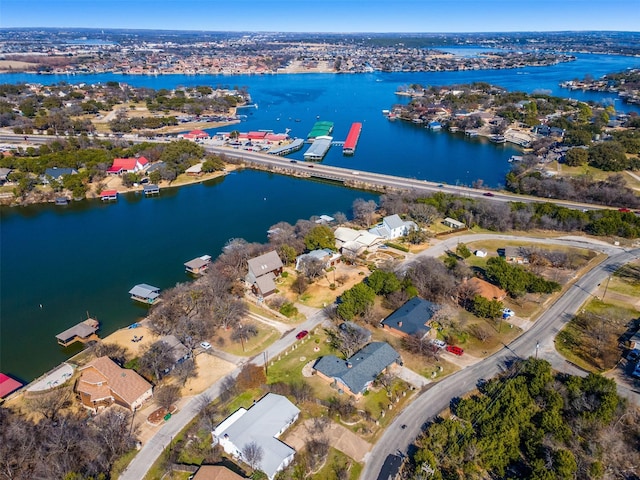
<point x="151" y="450"/>
<point x="539" y="337"/>
<point x="307" y="169"/>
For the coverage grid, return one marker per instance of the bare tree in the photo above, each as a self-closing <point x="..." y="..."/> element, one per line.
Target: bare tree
<point x="156" y="360"/>
<point x="167" y="395"/>
<point x="312" y="268"/>
<point x="385" y="380"/>
<point x="227" y="310"/>
<point x="227" y="388"/>
<point x="480" y="332"/>
<point x="114" y="429"/>
<point x="185" y="370"/>
<point x="418" y="343"/>
<point x="50" y="404"/>
<point x="300" y="284"/>
<point x="363" y="211"/>
<point x="115" y="352"/>
<point x="340" y="218"/>
<point x="347" y="339"/>
<point x="252" y="453"/>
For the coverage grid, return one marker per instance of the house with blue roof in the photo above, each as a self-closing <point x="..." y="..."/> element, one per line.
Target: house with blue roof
<point x="411" y="318"/>
<point x="355" y="375"/>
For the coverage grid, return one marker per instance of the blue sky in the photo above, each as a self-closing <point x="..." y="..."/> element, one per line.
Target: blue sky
<point x="327" y="15"/>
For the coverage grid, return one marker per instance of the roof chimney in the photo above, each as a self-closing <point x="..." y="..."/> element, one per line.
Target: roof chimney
<point x="400" y="323"/>
<point x="349" y="365"/>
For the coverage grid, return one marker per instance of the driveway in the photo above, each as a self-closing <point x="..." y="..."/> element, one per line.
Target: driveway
<point x="339" y="437"/>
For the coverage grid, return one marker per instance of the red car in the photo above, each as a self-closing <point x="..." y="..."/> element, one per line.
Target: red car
<point x="624" y="210"/>
<point x="455" y="350"/>
<point x="300" y="335"/>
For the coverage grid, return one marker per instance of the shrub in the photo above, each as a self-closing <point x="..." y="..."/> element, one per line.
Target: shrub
<point x="289" y="310"/>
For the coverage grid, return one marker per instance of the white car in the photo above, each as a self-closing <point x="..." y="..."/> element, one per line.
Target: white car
<point x="439" y="343"/>
<point x="508" y="312"/>
<point x="205" y="345"/>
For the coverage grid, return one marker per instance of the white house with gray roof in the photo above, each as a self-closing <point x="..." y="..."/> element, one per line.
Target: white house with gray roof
<point x="262" y="423"/>
<point x="356" y="374"/>
<point x="393" y="227"/>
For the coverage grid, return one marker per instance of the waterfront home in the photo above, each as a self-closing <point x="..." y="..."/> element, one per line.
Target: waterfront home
<point x="144" y="293"/>
<point x="8" y="385"/>
<point x="4" y="173"/>
<point x="198" y="265"/>
<point x="102" y="383"/>
<point x="194" y="170"/>
<point x="354" y="242"/>
<point x="262" y="272"/>
<point x="127" y="165"/>
<point x="452" y="223"/>
<point x="411" y="318"/>
<point x="56" y="173"/>
<point x="326" y="256"/>
<point x="356" y="374"/>
<point x="263" y="424"/>
<point x="393" y="227"/>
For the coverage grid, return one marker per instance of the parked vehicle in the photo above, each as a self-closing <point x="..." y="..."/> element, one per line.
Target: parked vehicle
<point x="488" y="194"/>
<point x="205" y="345"/>
<point x="439" y="343"/>
<point x="455" y="350"/>
<point x="302" y="334"/>
<point x="507" y="312"/>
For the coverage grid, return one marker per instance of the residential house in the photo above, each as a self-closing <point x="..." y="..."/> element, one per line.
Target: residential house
<point x="393" y="227"/>
<point x="326" y="256"/>
<point x="411" y="318"/>
<point x="4" y="173"/>
<point x="453" y="223"/>
<point x="127" y="165"/>
<point x="216" y="472"/>
<point x="356" y="374"/>
<point x="262" y="273"/>
<point x="263" y="423"/>
<point x="351" y="241"/>
<point x="56" y="173"/>
<point x="516" y="255"/>
<point x="178" y="352"/>
<point x="102" y="383"/>
<point x="486" y="289"/>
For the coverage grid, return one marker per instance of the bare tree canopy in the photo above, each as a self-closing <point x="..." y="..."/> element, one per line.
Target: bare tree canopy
<point x="252" y="453"/>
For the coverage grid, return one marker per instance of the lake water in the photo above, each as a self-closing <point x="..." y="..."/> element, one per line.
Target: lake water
<point x="85" y="257"/>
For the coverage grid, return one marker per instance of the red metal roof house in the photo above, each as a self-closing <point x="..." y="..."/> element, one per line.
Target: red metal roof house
<point x="127" y="165"/>
<point x="196" y="134"/>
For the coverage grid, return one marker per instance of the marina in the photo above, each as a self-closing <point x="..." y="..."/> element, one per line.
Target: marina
<point x="318" y="148"/>
<point x="283" y="150"/>
<point x="350" y="143"/>
<point x="320" y="129"/>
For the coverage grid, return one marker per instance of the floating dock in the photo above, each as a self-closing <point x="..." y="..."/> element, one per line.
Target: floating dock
<point x="82" y="332"/>
<point x="287" y="149"/>
<point x="151" y="189"/>
<point x="320" y="129"/>
<point x="318" y="148"/>
<point x="350" y="143"/>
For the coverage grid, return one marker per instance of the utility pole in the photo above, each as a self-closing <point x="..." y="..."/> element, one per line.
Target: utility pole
<point x="537" y="347"/>
<point x="265" y="356"/>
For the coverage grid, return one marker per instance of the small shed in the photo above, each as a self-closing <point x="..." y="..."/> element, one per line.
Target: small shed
<point x="144" y="293"/>
<point x="453" y="223"/>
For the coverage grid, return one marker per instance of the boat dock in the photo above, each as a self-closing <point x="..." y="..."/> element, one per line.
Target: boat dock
<point x="151" y="189"/>
<point x="350" y="143"/>
<point x="320" y="129"/>
<point x="82" y="332"/>
<point x="318" y="148"/>
<point x="198" y="265"/>
<point x="287" y="149"/>
<point x="109" y="195"/>
<point x="143" y="293"/>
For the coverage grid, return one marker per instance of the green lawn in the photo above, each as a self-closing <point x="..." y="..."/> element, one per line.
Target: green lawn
<point x="266" y="336"/>
<point x="336" y="457"/>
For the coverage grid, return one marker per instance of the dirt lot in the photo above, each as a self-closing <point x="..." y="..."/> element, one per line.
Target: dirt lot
<point x="339" y="437"/>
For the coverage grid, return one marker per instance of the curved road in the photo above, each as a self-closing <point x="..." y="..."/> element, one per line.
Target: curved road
<point x="430" y="403"/>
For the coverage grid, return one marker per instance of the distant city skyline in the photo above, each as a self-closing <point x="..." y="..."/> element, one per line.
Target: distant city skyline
<point x="343" y="16"/>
